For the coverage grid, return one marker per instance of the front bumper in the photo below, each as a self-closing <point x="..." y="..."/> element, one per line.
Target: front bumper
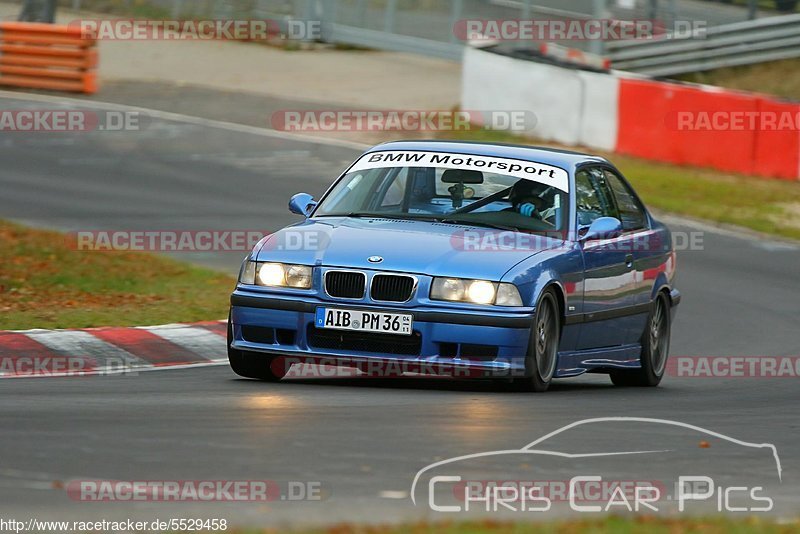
<point x="494" y="344"/>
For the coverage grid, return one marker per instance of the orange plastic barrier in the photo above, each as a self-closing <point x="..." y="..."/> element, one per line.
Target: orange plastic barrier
<point x="47" y="56"/>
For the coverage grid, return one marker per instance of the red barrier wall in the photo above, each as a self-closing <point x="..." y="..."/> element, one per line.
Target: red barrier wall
<point x="777" y="151"/>
<point x="720" y="129"/>
<point x="671" y="122"/>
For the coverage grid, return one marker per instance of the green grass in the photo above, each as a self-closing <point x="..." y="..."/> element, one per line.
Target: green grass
<point x="610" y="525"/>
<point x="760" y="204"/>
<point x="44" y="283"/>
<point x="779" y="78"/>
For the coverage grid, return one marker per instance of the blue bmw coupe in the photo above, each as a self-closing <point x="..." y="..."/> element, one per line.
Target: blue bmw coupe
<point x="463" y="259"/>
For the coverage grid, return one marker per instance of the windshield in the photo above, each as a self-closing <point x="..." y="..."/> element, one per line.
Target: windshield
<point x="459" y="195"/>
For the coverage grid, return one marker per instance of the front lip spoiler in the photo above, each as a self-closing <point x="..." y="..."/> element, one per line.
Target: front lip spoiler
<point x="417" y="365"/>
<point x="469" y="319"/>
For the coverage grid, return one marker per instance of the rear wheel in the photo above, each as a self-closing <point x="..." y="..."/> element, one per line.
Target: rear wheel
<point x="542" y="356"/>
<point x="248" y="364"/>
<point x="655" y="349"/>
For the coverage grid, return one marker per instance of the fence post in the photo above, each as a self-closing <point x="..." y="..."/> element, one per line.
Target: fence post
<point x="455" y="15"/>
<point x="597" y="46"/>
<point x="327" y="20"/>
<point x="752" y="9"/>
<point x="177" y="6"/>
<point x="310" y="12"/>
<point x="38" y="11"/>
<point x="388" y="16"/>
<point x="652" y="10"/>
<point x="673" y="12"/>
<point x="361" y="9"/>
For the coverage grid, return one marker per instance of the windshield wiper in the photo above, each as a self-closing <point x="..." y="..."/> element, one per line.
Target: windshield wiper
<point x="471" y="222"/>
<point x="399" y="216"/>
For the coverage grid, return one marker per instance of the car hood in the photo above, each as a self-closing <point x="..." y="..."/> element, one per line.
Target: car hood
<point x="420" y="247"/>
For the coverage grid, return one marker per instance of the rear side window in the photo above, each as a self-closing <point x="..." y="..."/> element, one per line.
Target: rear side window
<point x="631" y="211"/>
<point x="593" y="197"/>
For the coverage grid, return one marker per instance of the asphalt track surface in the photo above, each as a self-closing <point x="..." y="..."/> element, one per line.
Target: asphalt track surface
<point x="362" y="440"/>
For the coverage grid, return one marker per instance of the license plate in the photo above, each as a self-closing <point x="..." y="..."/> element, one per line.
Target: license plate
<point x="364" y="321"/>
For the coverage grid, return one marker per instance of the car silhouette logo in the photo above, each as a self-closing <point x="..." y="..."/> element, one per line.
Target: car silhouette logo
<point x="374" y="259"/>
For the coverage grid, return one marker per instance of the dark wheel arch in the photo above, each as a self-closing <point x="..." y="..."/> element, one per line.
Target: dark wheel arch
<point x="655" y="347"/>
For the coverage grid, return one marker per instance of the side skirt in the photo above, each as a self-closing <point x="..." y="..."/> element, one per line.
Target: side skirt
<point x="574" y="363"/>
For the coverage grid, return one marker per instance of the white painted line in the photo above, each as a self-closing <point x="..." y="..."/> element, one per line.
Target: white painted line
<point x="200" y="341"/>
<point x="393" y="494"/>
<point x="179" y="117"/>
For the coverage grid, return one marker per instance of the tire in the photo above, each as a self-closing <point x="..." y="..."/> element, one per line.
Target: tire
<point x="250" y="365"/>
<point x="542" y="356"/>
<point x="655" y="349"/>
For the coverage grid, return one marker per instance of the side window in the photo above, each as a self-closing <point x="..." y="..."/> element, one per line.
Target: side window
<point x="630" y="210"/>
<point x="593" y="197"/>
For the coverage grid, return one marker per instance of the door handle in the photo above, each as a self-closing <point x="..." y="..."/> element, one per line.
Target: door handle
<point x="629" y="260"/>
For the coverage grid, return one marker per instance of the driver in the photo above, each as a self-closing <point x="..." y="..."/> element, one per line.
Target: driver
<point x="525" y="198"/>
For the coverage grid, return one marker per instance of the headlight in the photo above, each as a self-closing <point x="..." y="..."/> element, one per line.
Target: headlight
<point x="481" y="292"/>
<point x="475" y="291"/>
<point x="272" y="274"/>
<point x="276" y="275"/>
<point x="298" y="276"/>
<point x="448" y="289"/>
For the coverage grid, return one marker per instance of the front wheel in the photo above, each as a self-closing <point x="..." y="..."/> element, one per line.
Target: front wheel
<point x="248" y="364"/>
<point x="542" y="356"/>
<point x="655" y="349"/>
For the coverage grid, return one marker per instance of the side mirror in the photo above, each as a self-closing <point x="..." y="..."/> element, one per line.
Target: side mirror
<point x="603" y="228"/>
<point x="302" y="204"/>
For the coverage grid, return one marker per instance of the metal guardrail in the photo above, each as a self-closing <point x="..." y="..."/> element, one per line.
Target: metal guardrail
<point x="426" y="27"/>
<point x="417" y="26"/>
<point x="740" y="43"/>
